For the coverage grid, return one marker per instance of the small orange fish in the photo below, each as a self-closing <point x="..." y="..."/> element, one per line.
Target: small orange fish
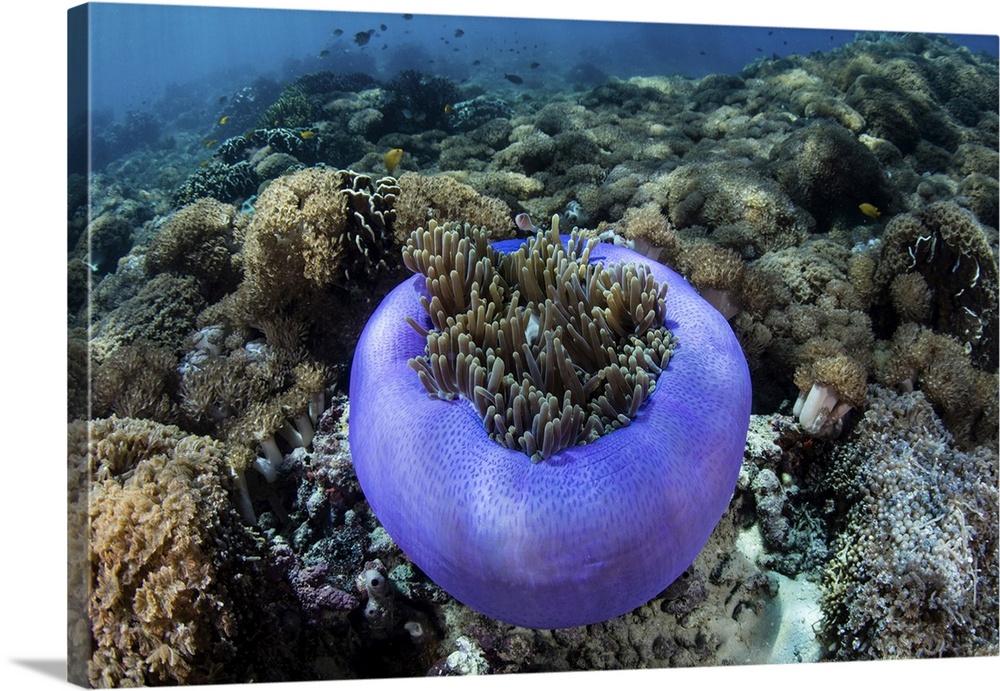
<point x="307" y="134"/>
<point x="209" y="143"/>
<point x="392" y="159"/>
<point x="224" y="120"/>
<point x="869" y="210"/>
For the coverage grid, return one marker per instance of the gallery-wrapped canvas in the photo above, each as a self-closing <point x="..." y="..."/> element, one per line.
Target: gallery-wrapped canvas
<point x="406" y="345"/>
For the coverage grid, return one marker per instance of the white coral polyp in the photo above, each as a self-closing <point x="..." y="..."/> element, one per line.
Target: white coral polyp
<point x="821" y="412"/>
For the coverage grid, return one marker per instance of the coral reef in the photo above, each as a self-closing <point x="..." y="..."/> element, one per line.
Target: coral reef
<point x="200" y="240"/>
<point x="443" y="199"/>
<point x="414" y="102"/>
<point x="828" y="172"/>
<point x="292" y="109"/>
<point x="166" y="548"/>
<point x="946" y="245"/>
<point x="314" y="229"/>
<point x="838" y="209"/>
<point x="913" y="572"/>
<point x="941" y="367"/>
<point x="219" y="180"/>
<point x="162" y="313"/>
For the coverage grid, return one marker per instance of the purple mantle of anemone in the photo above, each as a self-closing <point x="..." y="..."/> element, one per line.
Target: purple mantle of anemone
<point x="587" y="535"/>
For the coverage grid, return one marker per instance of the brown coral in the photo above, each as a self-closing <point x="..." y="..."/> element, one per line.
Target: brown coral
<point x="650" y="230"/>
<point x="316" y="228"/>
<point x="444" y="199"/>
<point x="911" y="297"/>
<point x="137" y="380"/>
<point x="165" y="552"/>
<point x="162" y="313"/>
<point x="941" y="367"/>
<point x="719" y="193"/>
<point x="198" y="240"/>
<point x="945" y="244"/>
<point x="829" y="388"/>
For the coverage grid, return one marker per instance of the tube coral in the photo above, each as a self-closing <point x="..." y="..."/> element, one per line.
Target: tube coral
<point x="595" y="529"/>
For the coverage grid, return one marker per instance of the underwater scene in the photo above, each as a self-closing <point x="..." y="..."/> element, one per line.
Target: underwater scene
<point x="407" y="345"/>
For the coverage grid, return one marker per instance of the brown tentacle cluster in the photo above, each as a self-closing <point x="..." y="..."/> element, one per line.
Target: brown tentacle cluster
<point x="551" y="350"/>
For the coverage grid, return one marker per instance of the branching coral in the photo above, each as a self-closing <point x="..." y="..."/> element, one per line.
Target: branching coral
<point x="219" y="180"/>
<point x="292" y="109"/>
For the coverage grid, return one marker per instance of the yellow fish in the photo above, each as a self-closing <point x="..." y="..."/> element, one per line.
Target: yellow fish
<point x="447" y="108"/>
<point x="307" y="134"/>
<point x="209" y="143"/>
<point x="869" y="210"/>
<point x="224" y="120"/>
<point x="204" y="164"/>
<point x="392" y="159"/>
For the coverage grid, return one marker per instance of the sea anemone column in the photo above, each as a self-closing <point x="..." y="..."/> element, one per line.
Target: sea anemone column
<point x="549" y="430"/>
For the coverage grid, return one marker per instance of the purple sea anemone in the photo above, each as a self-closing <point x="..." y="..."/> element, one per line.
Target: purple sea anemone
<point x="594" y="529"/>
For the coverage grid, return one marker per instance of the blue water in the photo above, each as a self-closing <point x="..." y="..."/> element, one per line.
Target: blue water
<point x="141" y="55"/>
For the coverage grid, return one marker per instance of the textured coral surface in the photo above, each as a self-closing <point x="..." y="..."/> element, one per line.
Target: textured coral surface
<point x="838" y="210"/>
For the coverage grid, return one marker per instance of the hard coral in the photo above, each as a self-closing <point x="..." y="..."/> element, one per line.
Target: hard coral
<point x="825" y="169"/>
<point x="719" y="193"/>
<point x="947" y="246"/>
<point x="163" y="313"/>
<point x="592" y="532"/>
